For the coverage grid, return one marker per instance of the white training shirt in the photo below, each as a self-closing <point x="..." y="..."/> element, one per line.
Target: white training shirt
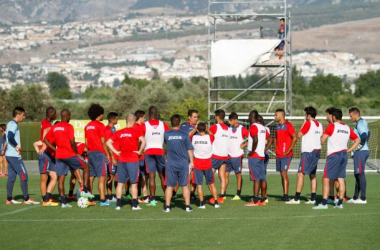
<point x="339" y="134"/>
<point x="311" y="140"/>
<point x="154" y="135"/>
<point x="202" y="145"/>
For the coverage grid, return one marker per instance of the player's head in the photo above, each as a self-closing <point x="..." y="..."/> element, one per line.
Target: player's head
<point x="18" y="114"/>
<point x="279" y="115"/>
<point x="310" y="112"/>
<point x="193" y="116"/>
<point x="337" y="115"/>
<point x="260" y="119"/>
<point x="354" y="114"/>
<point x="175" y="120"/>
<point x="2" y="127"/>
<point x="131" y="120"/>
<point x="51" y="113"/>
<point x="153" y="112"/>
<point x="95" y="112"/>
<point x="113" y="117"/>
<point x="65" y="115"/>
<point x="140" y="116"/>
<point x="252" y="117"/>
<point x="282" y="21"/>
<point x="233" y="119"/>
<point x="201" y="128"/>
<point x="219" y="115"/>
<point x="329" y="114"/>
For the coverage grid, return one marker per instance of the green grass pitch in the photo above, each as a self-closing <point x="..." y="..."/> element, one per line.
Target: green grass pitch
<point x="233" y="226"/>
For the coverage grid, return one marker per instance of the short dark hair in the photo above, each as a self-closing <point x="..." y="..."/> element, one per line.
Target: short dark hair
<point x="3" y="126"/>
<point x="112" y="115"/>
<point x="337" y="113"/>
<point x="139" y="113"/>
<point x="282" y="19"/>
<point x="354" y="110"/>
<point x="220" y="113"/>
<point x="18" y="110"/>
<point x="49" y="110"/>
<point x="280" y="110"/>
<point x="329" y="110"/>
<point x="94" y="111"/>
<point x="153" y="111"/>
<point x="260" y="119"/>
<point x="201" y="127"/>
<point x="311" y="111"/>
<point x="255" y="113"/>
<point x="190" y="112"/>
<point x="175" y="120"/>
<point x="233" y="116"/>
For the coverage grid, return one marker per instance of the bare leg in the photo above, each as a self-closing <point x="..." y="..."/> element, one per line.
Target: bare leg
<point x="313" y="183"/>
<point x="119" y="190"/>
<point x="239" y="180"/>
<point x="213" y="191"/>
<point x="110" y="178"/>
<point x="61" y="185"/>
<point x="162" y="178"/>
<point x="186" y="195"/>
<point x="152" y="184"/>
<point x="43" y="184"/>
<point x="134" y="190"/>
<point x="300" y="182"/>
<point x="200" y="192"/>
<point x="285" y="182"/>
<point x="101" y="187"/>
<point x="168" y="195"/>
<point x="92" y="184"/>
<point x="325" y="188"/>
<point x="53" y="181"/>
<point x="227" y="175"/>
<point x="263" y="188"/>
<point x="222" y="177"/>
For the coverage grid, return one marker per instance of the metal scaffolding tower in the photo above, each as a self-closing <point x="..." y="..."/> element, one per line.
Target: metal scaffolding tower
<point x="273" y="88"/>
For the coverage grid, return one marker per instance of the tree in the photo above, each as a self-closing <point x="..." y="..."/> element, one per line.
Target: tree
<point x="127" y="80"/>
<point x="325" y="85"/>
<point x="299" y="85"/>
<point x="57" y="82"/>
<point x="176" y="82"/>
<point x="33" y="98"/>
<point x="368" y="85"/>
<point x="63" y="94"/>
<point x="156" y="75"/>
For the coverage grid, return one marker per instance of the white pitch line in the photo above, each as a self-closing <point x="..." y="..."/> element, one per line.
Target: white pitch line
<point x="185" y="219"/>
<point x="17" y="211"/>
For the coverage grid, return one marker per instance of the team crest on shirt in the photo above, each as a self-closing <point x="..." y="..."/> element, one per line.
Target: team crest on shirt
<point x="155" y="126"/>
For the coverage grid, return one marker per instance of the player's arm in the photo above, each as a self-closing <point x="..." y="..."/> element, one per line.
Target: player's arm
<point x="354" y="145"/>
<point x="110" y="145"/>
<point x="294" y="140"/>
<point x="245" y="135"/>
<point x="46" y="130"/>
<point x="192" y="132"/>
<point x="12" y="140"/>
<point x="37" y="146"/>
<point x="103" y="141"/>
<point x="270" y="141"/>
<point x="74" y="146"/>
<point x="191" y="156"/>
<point x="324" y="138"/>
<point x="4" y="147"/>
<point x="142" y="145"/>
<point x="255" y="141"/>
<point x="48" y="143"/>
<point x="363" y="134"/>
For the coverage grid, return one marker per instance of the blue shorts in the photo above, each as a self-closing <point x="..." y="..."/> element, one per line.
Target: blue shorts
<point x="143" y="170"/>
<point x="72" y="163"/>
<point x="360" y="158"/>
<point x="257" y="169"/>
<point x="283" y="164"/>
<point x="198" y="176"/>
<point x="234" y="164"/>
<point x="155" y="163"/>
<point x="336" y="166"/>
<point x="111" y="168"/>
<point x="97" y="161"/>
<point x="128" y="170"/>
<point x="309" y="162"/>
<point x="172" y="177"/>
<point x="16" y="167"/>
<point x="217" y="163"/>
<point x="46" y="163"/>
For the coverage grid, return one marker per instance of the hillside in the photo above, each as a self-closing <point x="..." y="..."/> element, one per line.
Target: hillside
<point x="59" y="10"/>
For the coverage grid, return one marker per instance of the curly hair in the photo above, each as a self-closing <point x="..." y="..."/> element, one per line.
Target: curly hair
<point x="94" y="111"/>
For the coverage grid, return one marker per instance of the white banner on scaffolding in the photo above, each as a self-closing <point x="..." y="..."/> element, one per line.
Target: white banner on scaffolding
<point x="233" y="57"/>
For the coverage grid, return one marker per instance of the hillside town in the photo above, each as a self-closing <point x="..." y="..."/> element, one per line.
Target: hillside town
<point x="95" y="65"/>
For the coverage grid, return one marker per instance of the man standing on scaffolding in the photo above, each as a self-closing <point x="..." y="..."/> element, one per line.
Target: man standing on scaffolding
<point x="282" y="32"/>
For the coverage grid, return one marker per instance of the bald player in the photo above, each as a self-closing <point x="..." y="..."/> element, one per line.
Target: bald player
<point x="128" y="166"/>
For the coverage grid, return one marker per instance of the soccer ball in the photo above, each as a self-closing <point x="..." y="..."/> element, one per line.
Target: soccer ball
<point x="82" y="202"/>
